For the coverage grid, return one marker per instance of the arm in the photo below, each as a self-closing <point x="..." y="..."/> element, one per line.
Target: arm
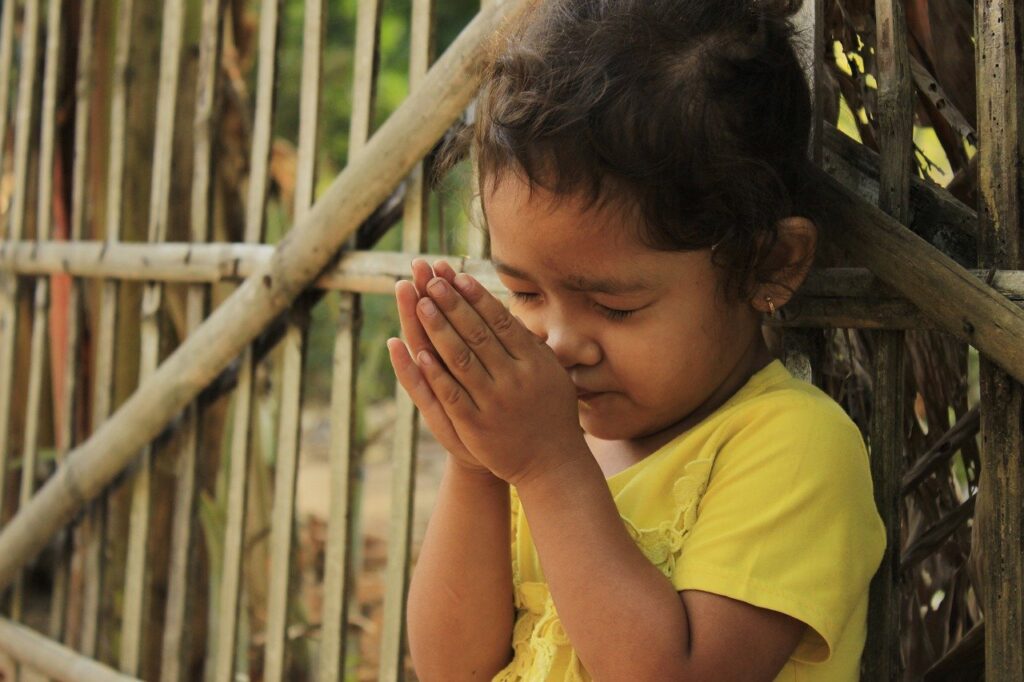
<point x="460" y="608"/>
<point x="639" y="628"/>
<point x="492" y="378"/>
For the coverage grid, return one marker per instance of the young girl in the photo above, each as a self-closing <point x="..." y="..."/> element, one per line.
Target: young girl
<point x="682" y="508"/>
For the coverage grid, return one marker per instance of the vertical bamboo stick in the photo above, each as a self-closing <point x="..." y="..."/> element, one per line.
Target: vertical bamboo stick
<point x="6" y="57"/>
<point x="174" y="648"/>
<point x="286" y="468"/>
<point x="37" y="352"/>
<point x="414" y="237"/>
<point x="9" y="284"/>
<point x="69" y="389"/>
<point x="1000" y="513"/>
<point x="342" y="549"/>
<point x="895" y="136"/>
<point x="136" y="588"/>
<point x="95" y="525"/>
<point x="239" y="469"/>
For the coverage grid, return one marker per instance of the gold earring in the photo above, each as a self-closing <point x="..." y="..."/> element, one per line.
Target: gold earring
<point x="771" y="305"/>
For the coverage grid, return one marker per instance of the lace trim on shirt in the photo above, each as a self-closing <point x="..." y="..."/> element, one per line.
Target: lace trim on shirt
<point x="538" y="636"/>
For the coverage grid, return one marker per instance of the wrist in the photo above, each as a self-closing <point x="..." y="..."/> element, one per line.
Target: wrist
<point x="565" y="466"/>
<point x="468" y="474"/>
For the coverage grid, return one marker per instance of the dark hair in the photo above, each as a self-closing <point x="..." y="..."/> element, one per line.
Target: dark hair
<point x="695" y="111"/>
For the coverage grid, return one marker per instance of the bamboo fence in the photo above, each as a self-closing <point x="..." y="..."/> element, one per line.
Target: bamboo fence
<point x="914" y="259"/>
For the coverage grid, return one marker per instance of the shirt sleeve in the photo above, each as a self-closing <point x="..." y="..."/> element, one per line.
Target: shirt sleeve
<point x="788" y="520"/>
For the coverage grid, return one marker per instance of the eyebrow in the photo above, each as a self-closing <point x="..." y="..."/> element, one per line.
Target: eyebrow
<point x="603" y="285"/>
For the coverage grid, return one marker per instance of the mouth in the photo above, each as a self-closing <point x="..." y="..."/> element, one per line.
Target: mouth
<point x="587" y="396"/>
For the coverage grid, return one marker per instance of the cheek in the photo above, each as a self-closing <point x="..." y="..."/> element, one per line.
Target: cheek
<point x="530" y="319"/>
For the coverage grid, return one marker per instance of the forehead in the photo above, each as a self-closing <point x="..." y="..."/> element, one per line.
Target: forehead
<point x="527" y="221"/>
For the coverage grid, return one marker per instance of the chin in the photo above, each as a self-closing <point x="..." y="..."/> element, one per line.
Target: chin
<point x="607" y="429"/>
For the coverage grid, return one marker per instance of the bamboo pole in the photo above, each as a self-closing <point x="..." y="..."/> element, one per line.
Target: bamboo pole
<point x="895" y="135"/>
<point x="234" y="541"/>
<point x="181" y="568"/>
<point x="6" y="56"/>
<point x="406" y="137"/>
<point x="289" y="424"/>
<point x="343" y="550"/>
<point x="403" y="467"/>
<point x="1000" y="512"/>
<point x="52" y="659"/>
<point x="68" y="390"/>
<point x="9" y="285"/>
<point x="852" y="290"/>
<point x="136" y="588"/>
<point x="95" y="531"/>
<point x="44" y="208"/>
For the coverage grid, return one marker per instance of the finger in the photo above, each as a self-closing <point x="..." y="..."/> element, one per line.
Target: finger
<point x="412" y="329"/>
<point x="517" y="340"/>
<point x="451" y="349"/>
<point x="443" y="268"/>
<point x="414" y="383"/>
<point x="467" y="323"/>
<point x="455" y="400"/>
<point x="421" y="274"/>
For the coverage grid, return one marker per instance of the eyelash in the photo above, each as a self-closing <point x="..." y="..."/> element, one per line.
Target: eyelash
<point x="610" y="313"/>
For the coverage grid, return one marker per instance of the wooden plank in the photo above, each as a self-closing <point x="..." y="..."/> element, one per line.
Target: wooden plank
<point x="881" y="660"/>
<point x="1000" y="514"/>
<point x="403" y="468"/>
<point x="136" y="589"/>
<point x="293" y="350"/>
<point x="9" y="285"/>
<point x="344" y="549"/>
<point x="95" y="524"/>
<point x="173" y="648"/>
<point x="52" y="658"/>
<point x="227" y="624"/>
<point x="405" y="138"/>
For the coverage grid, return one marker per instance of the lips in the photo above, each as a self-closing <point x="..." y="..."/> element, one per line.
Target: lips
<point x="584" y="394"/>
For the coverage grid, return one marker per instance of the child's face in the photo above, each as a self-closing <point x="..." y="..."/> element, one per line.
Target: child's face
<point x="642" y="333"/>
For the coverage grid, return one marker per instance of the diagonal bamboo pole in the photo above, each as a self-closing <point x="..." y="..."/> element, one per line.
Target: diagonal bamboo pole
<point x="404" y="139"/>
<point x="967" y="307"/>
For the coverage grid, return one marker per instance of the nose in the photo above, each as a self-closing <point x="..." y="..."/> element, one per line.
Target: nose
<point x="572" y="346"/>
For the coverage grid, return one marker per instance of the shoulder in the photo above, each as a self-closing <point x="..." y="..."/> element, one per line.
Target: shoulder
<point x="792" y="427"/>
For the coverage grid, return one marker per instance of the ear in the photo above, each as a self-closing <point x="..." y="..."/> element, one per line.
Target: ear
<point x="788" y="262"/>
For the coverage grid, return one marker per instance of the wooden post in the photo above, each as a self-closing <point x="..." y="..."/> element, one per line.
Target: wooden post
<point x="1000" y="507"/>
<point x="895" y="135"/>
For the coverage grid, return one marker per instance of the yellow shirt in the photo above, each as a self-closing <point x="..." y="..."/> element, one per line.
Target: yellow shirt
<point x="768" y="500"/>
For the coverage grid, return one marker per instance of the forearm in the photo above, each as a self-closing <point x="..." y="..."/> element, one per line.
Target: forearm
<point x="460" y="610"/>
<point x="619" y="611"/>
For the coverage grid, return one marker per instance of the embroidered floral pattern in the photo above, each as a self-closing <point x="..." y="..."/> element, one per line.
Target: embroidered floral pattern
<point x="538" y="637"/>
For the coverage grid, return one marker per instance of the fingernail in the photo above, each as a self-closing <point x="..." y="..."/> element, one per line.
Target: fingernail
<point x="436" y="287"/>
<point x="428" y="306"/>
<point x="462" y="281"/>
<point x="425" y="358"/>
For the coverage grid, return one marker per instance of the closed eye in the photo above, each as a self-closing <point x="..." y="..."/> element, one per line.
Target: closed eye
<point x="614" y="314"/>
